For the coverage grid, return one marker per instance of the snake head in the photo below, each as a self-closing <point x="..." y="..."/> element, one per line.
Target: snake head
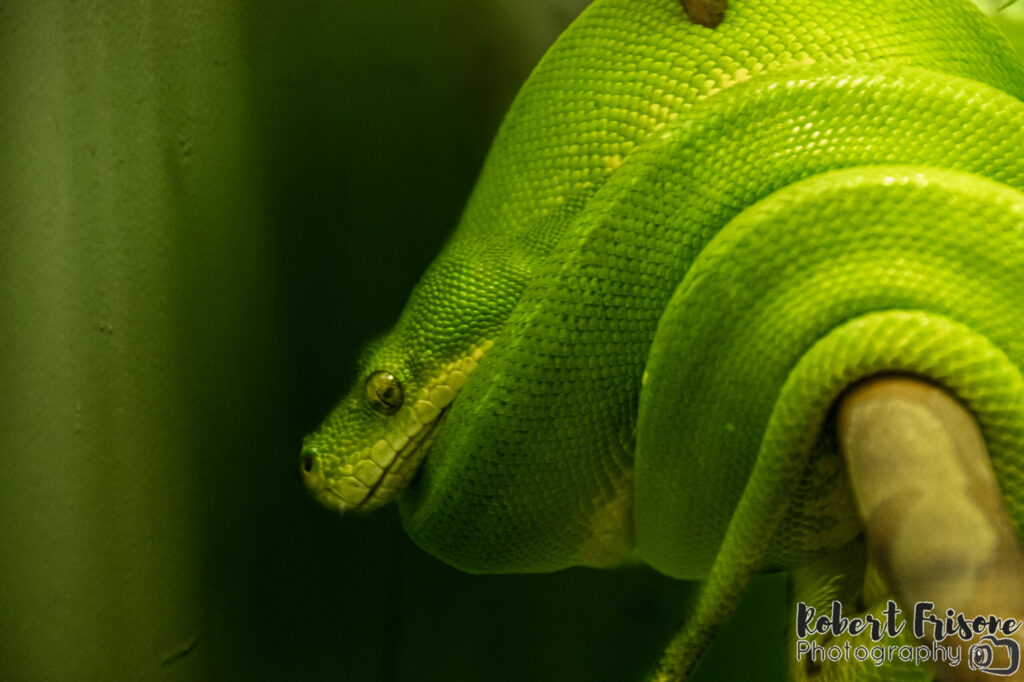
<point x="371" y="445"/>
<point x="369" y="449"/>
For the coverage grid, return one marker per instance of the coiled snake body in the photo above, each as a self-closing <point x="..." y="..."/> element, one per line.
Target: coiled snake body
<point x="684" y="246"/>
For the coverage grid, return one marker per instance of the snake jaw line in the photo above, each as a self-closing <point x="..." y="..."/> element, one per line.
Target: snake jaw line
<point x="374" y="476"/>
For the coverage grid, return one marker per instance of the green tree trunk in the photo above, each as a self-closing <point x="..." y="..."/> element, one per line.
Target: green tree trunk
<point x="138" y="303"/>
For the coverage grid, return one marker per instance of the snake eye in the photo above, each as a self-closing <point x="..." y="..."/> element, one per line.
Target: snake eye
<point x="384" y="392"/>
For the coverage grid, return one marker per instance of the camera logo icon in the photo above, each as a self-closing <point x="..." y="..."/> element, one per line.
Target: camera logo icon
<point x="980" y="656"/>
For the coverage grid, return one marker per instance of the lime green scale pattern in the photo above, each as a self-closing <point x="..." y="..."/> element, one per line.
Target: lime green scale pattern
<point x="779" y="277"/>
<point x="611" y="172"/>
<point x="817" y="301"/>
<point x="627" y="67"/>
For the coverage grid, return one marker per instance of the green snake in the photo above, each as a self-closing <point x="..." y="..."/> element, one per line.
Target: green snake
<point x="684" y="245"/>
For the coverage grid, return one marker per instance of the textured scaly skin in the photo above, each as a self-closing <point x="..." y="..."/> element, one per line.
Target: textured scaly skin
<point x="685" y="243"/>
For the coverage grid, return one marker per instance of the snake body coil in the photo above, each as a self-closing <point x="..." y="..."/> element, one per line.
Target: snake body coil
<point x="684" y="245"/>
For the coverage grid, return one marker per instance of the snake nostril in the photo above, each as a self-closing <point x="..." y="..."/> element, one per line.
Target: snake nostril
<point x="307" y="462"/>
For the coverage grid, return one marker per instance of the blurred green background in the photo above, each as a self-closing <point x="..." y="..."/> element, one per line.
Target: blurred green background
<point x="206" y="209"/>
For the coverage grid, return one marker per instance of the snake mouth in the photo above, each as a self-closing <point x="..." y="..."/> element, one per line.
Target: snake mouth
<point x="375" y="479"/>
<point x="406" y="464"/>
<point x="376" y="475"/>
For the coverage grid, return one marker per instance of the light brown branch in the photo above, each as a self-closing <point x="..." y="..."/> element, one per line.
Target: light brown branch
<point x="936" y="525"/>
